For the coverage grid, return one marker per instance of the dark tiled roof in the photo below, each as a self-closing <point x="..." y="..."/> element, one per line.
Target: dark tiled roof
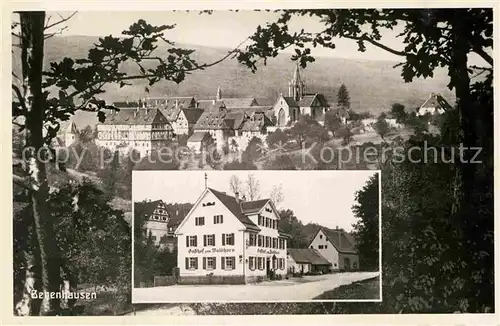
<point x="308" y="100"/>
<point x="213" y="119"/>
<point x="192" y="115"/>
<point x="311" y="256"/>
<point x="436" y="101"/>
<point x="176" y="215"/>
<point x="239" y="102"/>
<point x="253" y="206"/>
<point x="205" y="104"/>
<point x="182" y="101"/>
<point x="257" y="122"/>
<point x="135" y="116"/>
<point x="147" y="207"/>
<point x="290" y="101"/>
<point x="341" y="240"/>
<point x="197" y="137"/>
<point x="235" y="208"/>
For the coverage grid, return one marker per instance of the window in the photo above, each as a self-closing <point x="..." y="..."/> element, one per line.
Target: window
<point x="252" y="240"/>
<point x="153" y="237"/>
<point x="228" y="239"/>
<point x="199" y="220"/>
<point x="312" y="247"/>
<point x="209" y="240"/>
<point x="267" y="222"/>
<point x="251" y="263"/>
<point x="335" y="264"/>
<point x="282" y="243"/>
<point x="275" y="243"/>
<point x="267" y="242"/>
<point x="260" y="220"/>
<point x="164" y="218"/>
<point x="191" y="262"/>
<point x="260" y="261"/>
<point x="191" y="241"/>
<point x="261" y="240"/>
<point x="228" y="263"/>
<point x="218" y="219"/>
<point x="209" y="263"/>
<point x="325" y="246"/>
<point x="282" y="263"/>
<point x="274" y="224"/>
<point x="274" y="263"/>
<point x="321" y="236"/>
<point x="320" y="246"/>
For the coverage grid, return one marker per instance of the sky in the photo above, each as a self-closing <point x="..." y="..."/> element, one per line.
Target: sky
<point x="220" y="29"/>
<point x="323" y="197"/>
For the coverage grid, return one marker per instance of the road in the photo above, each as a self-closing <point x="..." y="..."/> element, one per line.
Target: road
<point x="296" y="289"/>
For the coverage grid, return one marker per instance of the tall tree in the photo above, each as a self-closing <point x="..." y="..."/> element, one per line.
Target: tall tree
<point x="343" y="99"/>
<point x="252" y="187"/>
<point x="235" y="185"/>
<point x="42" y="99"/>
<point x="382" y="127"/>
<point x="277" y="195"/>
<point x="366" y="228"/>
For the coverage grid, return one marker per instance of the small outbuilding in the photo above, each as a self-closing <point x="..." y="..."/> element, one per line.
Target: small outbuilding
<point x="306" y="261"/>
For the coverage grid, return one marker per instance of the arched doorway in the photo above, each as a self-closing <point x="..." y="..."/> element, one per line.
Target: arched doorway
<point x="281" y="118"/>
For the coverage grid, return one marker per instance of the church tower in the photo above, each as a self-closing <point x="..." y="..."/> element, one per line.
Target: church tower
<point x="219" y="94"/>
<point x="296" y="87"/>
<point x="70" y="136"/>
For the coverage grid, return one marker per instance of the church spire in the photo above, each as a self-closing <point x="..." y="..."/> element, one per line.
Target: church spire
<point x="296" y="87"/>
<point x="219" y="94"/>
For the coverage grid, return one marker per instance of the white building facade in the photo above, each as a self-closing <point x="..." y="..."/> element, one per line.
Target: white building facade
<point x="224" y="240"/>
<point x="337" y="248"/>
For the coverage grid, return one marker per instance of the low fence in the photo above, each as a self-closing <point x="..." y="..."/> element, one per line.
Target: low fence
<point x="164" y="280"/>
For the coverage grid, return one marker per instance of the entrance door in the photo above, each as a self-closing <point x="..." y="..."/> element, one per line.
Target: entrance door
<point x="281" y="118"/>
<point x="268" y="265"/>
<point x="347" y="263"/>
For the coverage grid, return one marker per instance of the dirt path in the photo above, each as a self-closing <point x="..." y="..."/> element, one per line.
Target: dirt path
<point x="286" y="290"/>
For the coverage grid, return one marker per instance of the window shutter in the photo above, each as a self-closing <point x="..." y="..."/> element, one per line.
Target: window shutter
<point x="204" y="241"/>
<point x="213" y="236"/>
<point x="232" y="239"/>
<point x="222" y="218"/>
<point x="215" y="262"/>
<point x="204" y="262"/>
<point x="215" y="220"/>
<point x="222" y="263"/>
<point x="196" y="241"/>
<point x="187" y="240"/>
<point x="234" y="262"/>
<point x="223" y="241"/>
<point x="196" y="263"/>
<point x="187" y="263"/>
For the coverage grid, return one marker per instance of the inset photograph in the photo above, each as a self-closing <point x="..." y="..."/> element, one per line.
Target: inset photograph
<point x="256" y="236"/>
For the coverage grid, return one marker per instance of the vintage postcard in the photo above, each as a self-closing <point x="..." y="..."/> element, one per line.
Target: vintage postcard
<point x="262" y="159"/>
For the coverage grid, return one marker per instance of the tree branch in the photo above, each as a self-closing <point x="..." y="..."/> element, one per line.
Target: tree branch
<point x="19" y="97"/>
<point x="60" y="21"/>
<point x="378" y="44"/>
<point x="484" y="55"/>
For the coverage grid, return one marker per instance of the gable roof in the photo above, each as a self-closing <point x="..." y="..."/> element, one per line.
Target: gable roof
<point x="135" y="116"/>
<point x="248" y="207"/>
<point x="310" y="256"/>
<point x="235" y="208"/>
<point x="436" y="101"/>
<point x="308" y="100"/>
<point x="126" y="104"/>
<point x="290" y="101"/>
<point x="257" y="122"/>
<point x="212" y="119"/>
<point x="339" y="239"/>
<point x="148" y="207"/>
<point x="192" y="115"/>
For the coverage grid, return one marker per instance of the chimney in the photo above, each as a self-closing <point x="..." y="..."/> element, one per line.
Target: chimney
<point x="244" y="198"/>
<point x="177" y="212"/>
<point x="176" y="103"/>
<point x="237" y="197"/>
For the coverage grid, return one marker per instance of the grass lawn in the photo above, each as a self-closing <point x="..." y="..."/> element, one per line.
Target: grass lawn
<point x="366" y="289"/>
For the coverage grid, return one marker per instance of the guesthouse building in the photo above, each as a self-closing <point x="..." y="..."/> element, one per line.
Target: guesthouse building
<point x="227" y="240"/>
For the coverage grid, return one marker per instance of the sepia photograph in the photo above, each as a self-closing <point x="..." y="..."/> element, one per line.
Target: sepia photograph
<point x="266" y="159"/>
<point x="256" y="236"/>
